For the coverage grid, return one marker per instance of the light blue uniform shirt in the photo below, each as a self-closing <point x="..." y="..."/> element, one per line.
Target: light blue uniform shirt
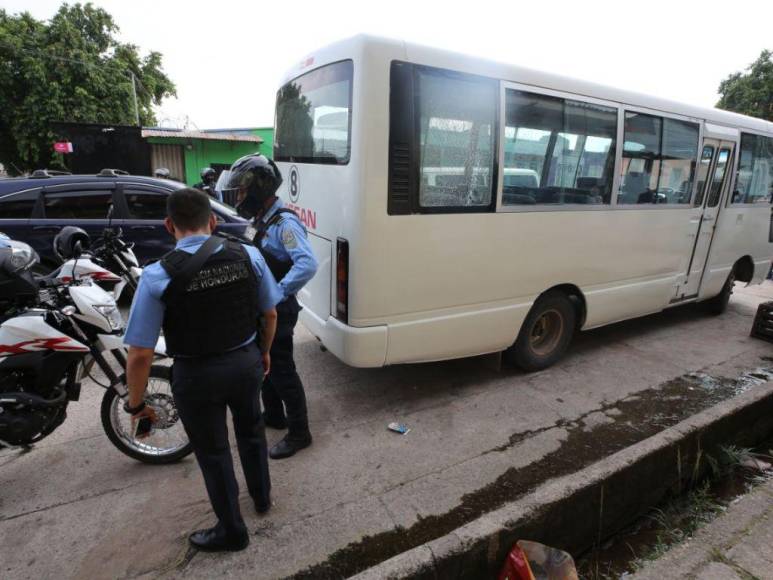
<point x="147" y="313"/>
<point x="287" y="241"/>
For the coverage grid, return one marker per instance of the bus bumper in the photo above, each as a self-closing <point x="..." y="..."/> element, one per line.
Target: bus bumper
<point x="357" y="347"/>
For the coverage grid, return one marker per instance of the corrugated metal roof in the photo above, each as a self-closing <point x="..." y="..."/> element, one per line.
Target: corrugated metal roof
<point x="166" y="134"/>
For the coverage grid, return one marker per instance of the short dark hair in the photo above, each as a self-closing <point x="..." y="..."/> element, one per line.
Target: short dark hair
<point x="189" y="209"/>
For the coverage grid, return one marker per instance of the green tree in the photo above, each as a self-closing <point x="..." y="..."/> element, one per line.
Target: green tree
<point x="294" y="122"/>
<point x="750" y="93"/>
<point x="69" y="69"/>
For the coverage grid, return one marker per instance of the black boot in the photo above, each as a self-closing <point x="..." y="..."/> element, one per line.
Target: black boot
<point x="290" y="445"/>
<point x="215" y="540"/>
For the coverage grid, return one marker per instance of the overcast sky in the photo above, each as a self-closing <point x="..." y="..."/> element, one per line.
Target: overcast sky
<point x="226" y="57"/>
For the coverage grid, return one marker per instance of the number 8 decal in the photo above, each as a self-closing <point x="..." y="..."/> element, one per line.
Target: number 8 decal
<point x="295" y="184"/>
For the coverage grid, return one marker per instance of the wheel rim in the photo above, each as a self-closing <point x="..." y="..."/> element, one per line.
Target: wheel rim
<point x="546" y="332"/>
<point x="168" y="435"/>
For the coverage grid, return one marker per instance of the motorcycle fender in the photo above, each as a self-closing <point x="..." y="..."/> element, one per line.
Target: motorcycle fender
<point x="118" y="289"/>
<point x="84" y="368"/>
<point x="160" y="348"/>
<point x="111" y="342"/>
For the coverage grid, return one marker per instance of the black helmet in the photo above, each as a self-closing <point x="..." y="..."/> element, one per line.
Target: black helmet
<point x="259" y="178"/>
<point x="207" y="172"/>
<point x="70" y="242"/>
<point x="162" y="172"/>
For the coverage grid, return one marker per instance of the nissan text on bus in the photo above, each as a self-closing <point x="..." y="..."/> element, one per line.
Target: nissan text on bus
<point x="460" y="207"/>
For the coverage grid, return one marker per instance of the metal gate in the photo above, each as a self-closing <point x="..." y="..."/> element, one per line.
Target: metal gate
<point x="169" y="156"/>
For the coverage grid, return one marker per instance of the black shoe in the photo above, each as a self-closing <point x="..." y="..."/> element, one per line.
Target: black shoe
<point x="262" y="507"/>
<point x="214" y="540"/>
<point x="275" y="422"/>
<point x="289" y="446"/>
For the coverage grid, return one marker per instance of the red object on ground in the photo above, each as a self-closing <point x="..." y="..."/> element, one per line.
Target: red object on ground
<point x="516" y="566"/>
<point x="534" y="561"/>
<point x="63" y="147"/>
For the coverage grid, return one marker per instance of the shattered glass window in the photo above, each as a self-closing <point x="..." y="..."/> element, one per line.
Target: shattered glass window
<point x="457" y="116"/>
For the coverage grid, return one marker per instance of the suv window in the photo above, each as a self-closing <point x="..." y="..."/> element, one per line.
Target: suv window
<point x="91" y="205"/>
<point x="145" y="206"/>
<point x="18" y="206"/>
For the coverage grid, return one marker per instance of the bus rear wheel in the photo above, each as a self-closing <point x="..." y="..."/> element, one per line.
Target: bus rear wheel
<point x="545" y="334"/>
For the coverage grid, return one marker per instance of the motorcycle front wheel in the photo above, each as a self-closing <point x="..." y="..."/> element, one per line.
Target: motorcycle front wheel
<point x="167" y="442"/>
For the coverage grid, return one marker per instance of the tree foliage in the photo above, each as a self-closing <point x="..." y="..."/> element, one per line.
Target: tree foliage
<point x="69" y="69"/>
<point x="750" y="93"/>
<point x="293" y="114"/>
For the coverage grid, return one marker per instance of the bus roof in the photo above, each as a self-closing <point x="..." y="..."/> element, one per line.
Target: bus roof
<point x="419" y="54"/>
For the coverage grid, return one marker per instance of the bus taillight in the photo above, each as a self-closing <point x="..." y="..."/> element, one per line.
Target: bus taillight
<point x="342" y="280"/>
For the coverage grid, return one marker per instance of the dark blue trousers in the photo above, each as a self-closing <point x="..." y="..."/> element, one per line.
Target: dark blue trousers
<point x="203" y="388"/>
<point x="283" y="385"/>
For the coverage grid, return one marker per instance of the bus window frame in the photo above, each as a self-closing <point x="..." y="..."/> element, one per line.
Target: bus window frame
<point x="350" y="130"/>
<point x="663" y="115"/>
<point x="416" y="206"/>
<point x="622" y="109"/>
<point x="503" y="87"/>
<point x="736" y="162"/>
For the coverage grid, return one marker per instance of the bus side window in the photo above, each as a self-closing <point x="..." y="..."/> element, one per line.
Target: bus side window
<point x="703" y="173"/>
<point x="557" y="151"/>
<point x="456" y="141"/>
<point x="754" y="178"/>
<point x="659" y="159"/>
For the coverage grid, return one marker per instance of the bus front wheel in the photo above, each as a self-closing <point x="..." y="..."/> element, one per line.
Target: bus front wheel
<point x="545" y="334"/>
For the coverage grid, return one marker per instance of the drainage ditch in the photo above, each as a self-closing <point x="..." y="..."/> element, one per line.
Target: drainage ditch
<point x="630" y="420"/>
<point x="733" y="474"/>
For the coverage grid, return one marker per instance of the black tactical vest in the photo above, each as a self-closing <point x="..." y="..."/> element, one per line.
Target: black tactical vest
<point x="279" y="268"/>
<point x="217" y="310"/>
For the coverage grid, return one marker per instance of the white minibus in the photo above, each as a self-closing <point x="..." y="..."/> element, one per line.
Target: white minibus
<point x="459" y="206"/>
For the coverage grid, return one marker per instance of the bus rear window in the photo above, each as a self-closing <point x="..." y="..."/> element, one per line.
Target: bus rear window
<point x="313" y="116"/>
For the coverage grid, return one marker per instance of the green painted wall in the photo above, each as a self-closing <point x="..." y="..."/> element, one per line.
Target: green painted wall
<point x="200" y="153"/>
<point x="267" y="134"/>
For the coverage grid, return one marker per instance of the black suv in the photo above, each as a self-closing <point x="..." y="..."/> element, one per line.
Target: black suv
<point x="33" y="209"/>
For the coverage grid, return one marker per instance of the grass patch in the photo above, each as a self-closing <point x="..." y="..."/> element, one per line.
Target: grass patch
<point x="730" y="474"/>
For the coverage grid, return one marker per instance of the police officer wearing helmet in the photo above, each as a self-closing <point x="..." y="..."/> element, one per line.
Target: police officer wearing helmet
<point x="207" y="183"/>
<point x="281" y="239"/>
<point x="208" y="294"/>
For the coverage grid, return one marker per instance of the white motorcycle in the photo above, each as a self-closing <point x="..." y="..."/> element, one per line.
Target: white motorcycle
<point x="108" y="261"/>
<point x="53" y="333"/>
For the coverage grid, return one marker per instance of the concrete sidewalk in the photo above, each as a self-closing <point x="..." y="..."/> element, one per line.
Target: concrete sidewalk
<point x="74" y="507"/>
<point x="738" y="545"/>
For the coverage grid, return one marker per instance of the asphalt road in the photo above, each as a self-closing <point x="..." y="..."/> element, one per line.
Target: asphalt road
<point x="75" y="507"/>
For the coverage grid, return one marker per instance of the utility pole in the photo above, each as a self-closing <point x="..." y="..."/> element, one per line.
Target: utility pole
<point x="134" y="97"/>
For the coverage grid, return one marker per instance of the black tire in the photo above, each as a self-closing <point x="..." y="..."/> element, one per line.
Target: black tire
<point x="545" y="334"/>
<point x="718" y="304"/>
<point x="111" y="398"/>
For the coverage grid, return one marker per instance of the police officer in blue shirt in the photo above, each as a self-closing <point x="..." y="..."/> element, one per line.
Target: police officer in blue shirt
<point x="281" y="239"/>
<point x="208" y="295"/>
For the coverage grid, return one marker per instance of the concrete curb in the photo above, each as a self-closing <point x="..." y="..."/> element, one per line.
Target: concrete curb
<point x="576" y="511"/>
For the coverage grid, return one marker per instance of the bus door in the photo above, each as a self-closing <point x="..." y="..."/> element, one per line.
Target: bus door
<point x="713" y="174"/>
